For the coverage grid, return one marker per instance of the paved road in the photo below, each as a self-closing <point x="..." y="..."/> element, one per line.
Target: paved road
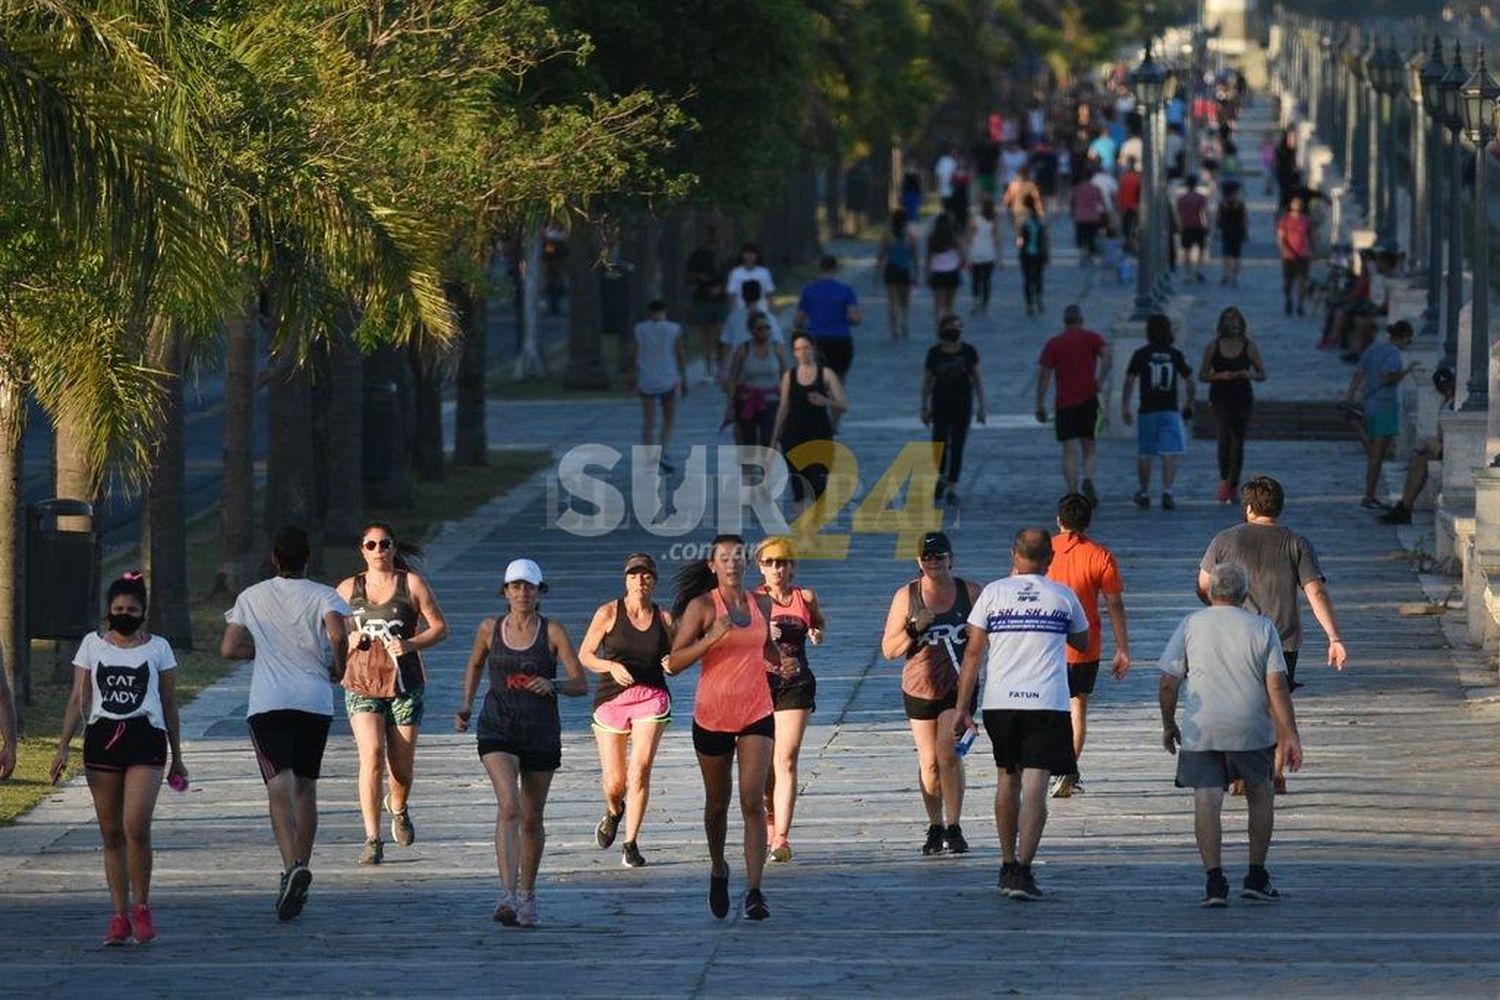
<point x="1385" y="849"/>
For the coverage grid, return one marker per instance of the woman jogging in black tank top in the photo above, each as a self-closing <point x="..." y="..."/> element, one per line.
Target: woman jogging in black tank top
<point x="395" y="616"/>
<point x="811" y="396"/>
<point x="625" y="645"/>
<point x="520" y="732"/>
<point x="927" y="627"/>
<point x="1231" y="361"/>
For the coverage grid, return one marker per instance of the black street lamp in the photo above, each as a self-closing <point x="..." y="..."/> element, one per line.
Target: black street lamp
<point x="1148" y="82"/>
<point x="1388" y="73"/>
<point x="1411" y="86"/>
<point x="1453" y="80"/>
<point x="1477" y="103"/>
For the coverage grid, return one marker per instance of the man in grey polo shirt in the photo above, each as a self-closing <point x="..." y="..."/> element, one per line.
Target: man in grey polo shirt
<point x="1224" y="665"/>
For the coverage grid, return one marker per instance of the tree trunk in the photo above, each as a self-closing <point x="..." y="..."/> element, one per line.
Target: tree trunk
<point x="427" y="412"/>
<point x="585" y="369"/>
<point x="386" y="464"/>
<point x="163" y="514"/>
<point x="471" y="444"/>
<point x="13" y="636"/>
<point x="672" y="262"/>
<point x="833" y="208"/>
<point x="237" y="486"/>
<point x="74" y="477"/>
<point x="291" y="481"/>
<point x="343" y="440"/>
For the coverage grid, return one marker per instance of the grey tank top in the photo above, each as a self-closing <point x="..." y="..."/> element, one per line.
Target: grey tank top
<point x="524" y="720"/>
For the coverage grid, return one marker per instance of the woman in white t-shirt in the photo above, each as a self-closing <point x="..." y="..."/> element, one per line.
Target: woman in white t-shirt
<point x="748" y="269"/>
<point x="983" y="243"/>
<point x="123" y="687"/>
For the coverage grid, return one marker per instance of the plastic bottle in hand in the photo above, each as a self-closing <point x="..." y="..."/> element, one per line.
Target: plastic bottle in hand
<point x="963" y="743"/>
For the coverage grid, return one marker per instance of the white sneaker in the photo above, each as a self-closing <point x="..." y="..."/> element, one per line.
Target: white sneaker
<point x="1061" y="786"/>
<point x="505" y="909"/>
<point x="526" y="909"/>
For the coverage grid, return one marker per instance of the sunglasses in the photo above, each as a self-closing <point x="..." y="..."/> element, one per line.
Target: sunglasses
<point x="775" y="562"/>
<point x="382" y="544"/>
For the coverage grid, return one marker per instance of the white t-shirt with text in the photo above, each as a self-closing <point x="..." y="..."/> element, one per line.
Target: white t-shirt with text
<point x="126" y="680"/>
<point x="285" y="617"/>
<point x="1028" y="619"/>
<point x="742" y="274"/>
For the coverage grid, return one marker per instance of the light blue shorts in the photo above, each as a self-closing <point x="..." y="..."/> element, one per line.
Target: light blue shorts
<point x="1160" y="433"/>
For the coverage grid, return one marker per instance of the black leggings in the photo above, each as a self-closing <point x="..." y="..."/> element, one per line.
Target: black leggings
<point x="1232" y="416"/>
<point x="952" y="429"/>
<point x="979" y="281"/>
<point x="1031" y="275"/>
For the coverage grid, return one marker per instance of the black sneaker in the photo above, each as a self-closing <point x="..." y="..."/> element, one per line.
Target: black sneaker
<point x="1370" y="503"/>
<point x="1396" y="515"/>
<point x="1168" y="502"/>
<point x="934" y="843"/>
<point x="1024" y="887"/>
<point x="630" y="857"/>
<point x="1089" y="494"/>
<point x="1257" y="885"/>
<point x="953" y="839"/>
<point x="604" y="833"/>
<point x="718" y="893"/>
<point x="1216" y="893"/>
<point x="1007" y="884"/>
<point x="755" y="906"/>
<point x="1142" y="500"/>
<point x="293" y="898"/>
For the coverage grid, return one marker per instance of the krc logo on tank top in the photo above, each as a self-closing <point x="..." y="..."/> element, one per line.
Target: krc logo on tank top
<point x="744" y="489"/>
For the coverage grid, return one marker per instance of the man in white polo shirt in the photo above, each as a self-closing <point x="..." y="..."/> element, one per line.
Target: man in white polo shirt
<point x="1021" y="624"/>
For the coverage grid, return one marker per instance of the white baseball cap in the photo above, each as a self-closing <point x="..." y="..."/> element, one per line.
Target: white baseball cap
<point x="524" y="570"/>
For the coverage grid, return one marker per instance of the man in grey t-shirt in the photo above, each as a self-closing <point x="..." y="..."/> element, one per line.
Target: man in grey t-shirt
<point x="1224" y="666"/>
<point x="1279" y="562"/>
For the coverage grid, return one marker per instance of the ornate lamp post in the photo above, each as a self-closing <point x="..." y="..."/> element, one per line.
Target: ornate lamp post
<point x="1370" y="110"/>
<point x="1453" y="80"/>
<point x="1411" y="86"/>
<point x="1477" y="104"/>
<point x="1388" y="71"/>
<point x="1358" y="167"/>
<point x="1431" y="82"/>
<point x="1148" y="82"/>
<point x="1158" y="136"/>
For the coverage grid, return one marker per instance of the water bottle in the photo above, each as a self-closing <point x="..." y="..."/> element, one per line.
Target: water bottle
<point x="963" y="743"/>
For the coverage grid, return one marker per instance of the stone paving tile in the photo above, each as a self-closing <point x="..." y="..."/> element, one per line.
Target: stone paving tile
<point x="1385" y="850"/>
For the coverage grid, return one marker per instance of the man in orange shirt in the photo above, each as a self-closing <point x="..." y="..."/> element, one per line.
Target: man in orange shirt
<point x="1089" y="569"/>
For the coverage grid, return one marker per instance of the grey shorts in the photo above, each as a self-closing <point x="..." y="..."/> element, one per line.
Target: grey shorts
<point x="1217" y="768"/>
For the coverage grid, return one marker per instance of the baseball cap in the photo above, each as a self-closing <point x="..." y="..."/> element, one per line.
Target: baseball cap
<point x="775" y="547"/>
<point x="525" y="570"/>
<point x="640" y="562"/>
<point x="934" y="543"/>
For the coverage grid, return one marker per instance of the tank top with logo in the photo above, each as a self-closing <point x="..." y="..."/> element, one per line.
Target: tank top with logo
<point x="931" y="670"/>
<point x="511" y="713"/>
<point x="793" y="621"/>
<point x="394" y="618"/>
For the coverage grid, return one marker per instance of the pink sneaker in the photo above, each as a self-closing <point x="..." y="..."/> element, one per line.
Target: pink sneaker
<point x="1225" y="493"/>
<point x="140" y="922"/>
<point x="118" y="931"/>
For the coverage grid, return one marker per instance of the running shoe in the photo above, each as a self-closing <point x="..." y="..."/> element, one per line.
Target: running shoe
<point x="630" y="856"/>
<point x="1226" y="494"/>
<point x="1025" y="887"/>
<point x="718" y="893"/>
<point x="1062" y="786"/>
<point x="402" y="831"/>
<point x="755" y="906"/>
<point x="604" y="833"/>
<point x="505" y="909"/>
<point x="781" y="851"/>
<point x="1007" y="884"/>
<point x="1216" y="893"/>
<point x="953" y="840"/>
<point x="118" y="931"/>
<point x="142" y="928"/>
<point x="952" y="496"/>
<point x="526" y="909"/>
<point x="1168" y="502"/>
<point x="1370" y="503"/>
<point x="934" y="843"/>
<point x="1142" y="500"/>
<point x="667" y="468"/>
<point x="1398" y="514"/>
<point x="294" y="886"/>
<point x="373" y="852"/>
<point x="1089" y="494"/>
<point x="1257" y="885"/>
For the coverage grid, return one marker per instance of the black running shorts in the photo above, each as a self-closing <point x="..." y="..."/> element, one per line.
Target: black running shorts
<point x="289" y="740"/>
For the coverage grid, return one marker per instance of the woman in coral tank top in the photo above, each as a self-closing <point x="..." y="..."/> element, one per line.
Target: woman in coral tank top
<point x="726" y="626"/>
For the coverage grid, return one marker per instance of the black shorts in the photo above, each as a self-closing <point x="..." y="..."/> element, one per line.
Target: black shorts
<point x="897" y="276"/>
<point x="803" y="695"/>
<point x="1078" y="421"/>
<point x="837" y="352"/>
<point x="1294" y="267"/>
<point x="943" y="279"/>
<point x="712" y="743"/>
<point x="530" y="758"/>
<point x="1233" y="246"/>
<point x="1085" y="234"/>
<point x="1194" y="237"/>
<point x="1081" y="677"/>
<point x="120" y="744"/>
<point x="1290" y="656"/>
<point x="928" y="709"/>
<point x="1024" y="739"/>
<point x="289" y="740"/>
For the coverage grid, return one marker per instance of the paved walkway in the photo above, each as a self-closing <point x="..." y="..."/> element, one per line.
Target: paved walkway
<point x="1385" y="850"/>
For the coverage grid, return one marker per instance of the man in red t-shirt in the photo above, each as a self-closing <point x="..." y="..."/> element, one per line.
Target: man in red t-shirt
<point x="1129" y="200"/>
<point x="1080" y="358"/>
<point x="1191" y="214"/>
<point x="1294" y="238"/>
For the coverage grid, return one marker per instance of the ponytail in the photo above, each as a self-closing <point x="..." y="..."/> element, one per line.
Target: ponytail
<point x="693" y="580"/>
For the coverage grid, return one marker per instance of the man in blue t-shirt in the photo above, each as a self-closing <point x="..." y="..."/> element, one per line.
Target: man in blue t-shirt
<point x="828" y="309"/>
<point x="1375" y="382"/>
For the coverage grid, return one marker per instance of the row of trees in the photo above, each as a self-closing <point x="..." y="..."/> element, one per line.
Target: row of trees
<point x="182" y="179"/>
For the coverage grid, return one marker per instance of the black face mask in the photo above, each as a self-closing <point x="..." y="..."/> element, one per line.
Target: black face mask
<point x="950" y="335"/>
<point x="126" y="624"/>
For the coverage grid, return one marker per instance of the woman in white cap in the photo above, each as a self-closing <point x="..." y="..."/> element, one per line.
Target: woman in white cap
<point x="796" y="619"/>
<point x="627" y="645"/>
<point x="520" y="732"/>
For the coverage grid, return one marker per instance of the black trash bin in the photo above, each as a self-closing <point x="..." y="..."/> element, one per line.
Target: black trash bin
<point x="61" y="602"/>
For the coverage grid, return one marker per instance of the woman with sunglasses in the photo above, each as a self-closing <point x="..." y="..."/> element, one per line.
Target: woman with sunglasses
<point x="726" y="627"/>
<point x="795" y="619"/>
<point x="927" y="626"/>
<point x="394" y="611"/>
<point x="627" y="646"/>
<point x="754" y="380"/>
